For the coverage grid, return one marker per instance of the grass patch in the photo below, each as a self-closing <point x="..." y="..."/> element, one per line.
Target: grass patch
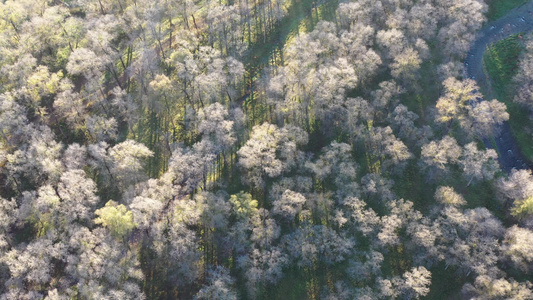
<point x="501" y="62"/>
<point x="498" y="8"/>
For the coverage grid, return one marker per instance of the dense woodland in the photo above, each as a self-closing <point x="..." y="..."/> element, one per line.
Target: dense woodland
<point x="265" y="149"/>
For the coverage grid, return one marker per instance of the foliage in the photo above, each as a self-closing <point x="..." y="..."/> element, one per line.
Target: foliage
<point x="523" y="208"/>
<point x="272" y="149"/>
<point x="116" y="217"/>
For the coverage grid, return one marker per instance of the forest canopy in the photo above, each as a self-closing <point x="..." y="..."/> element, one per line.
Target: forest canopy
<point x="268" y="149"/>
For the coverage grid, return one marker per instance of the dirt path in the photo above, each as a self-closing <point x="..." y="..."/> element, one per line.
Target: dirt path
<point x="516" y="21"/>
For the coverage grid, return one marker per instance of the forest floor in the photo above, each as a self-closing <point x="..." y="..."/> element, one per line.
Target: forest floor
<point x="518" y="20"/>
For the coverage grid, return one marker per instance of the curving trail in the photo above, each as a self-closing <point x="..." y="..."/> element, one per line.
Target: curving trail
<point x="515" y="21"/>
